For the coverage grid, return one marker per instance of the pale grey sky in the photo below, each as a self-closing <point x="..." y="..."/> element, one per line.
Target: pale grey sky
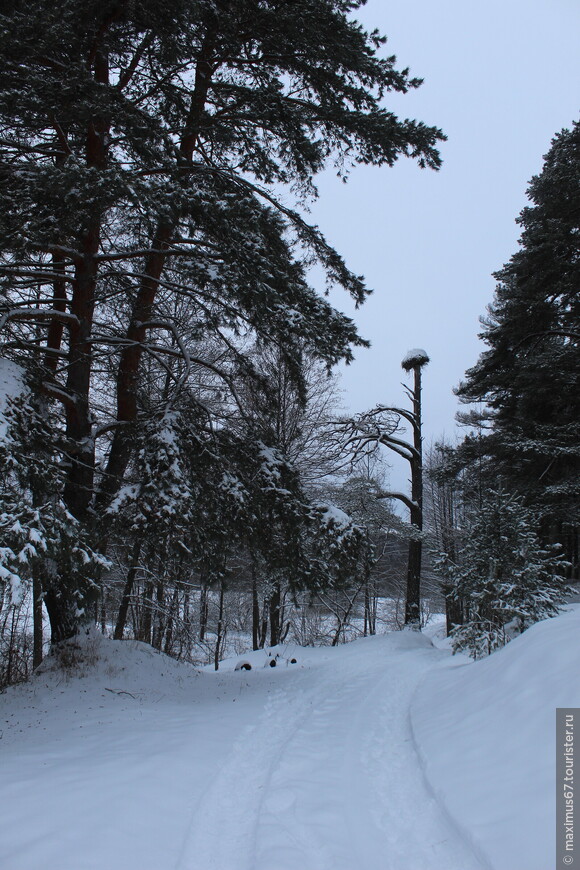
<point x="501" y="78"/>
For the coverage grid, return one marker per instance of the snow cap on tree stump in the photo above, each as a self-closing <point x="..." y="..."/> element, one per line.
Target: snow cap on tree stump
<point x="415" y="357"/>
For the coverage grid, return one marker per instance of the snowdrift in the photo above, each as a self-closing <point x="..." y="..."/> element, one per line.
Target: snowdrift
<point x="485" y="732"/>
<point x="133" y="761"/>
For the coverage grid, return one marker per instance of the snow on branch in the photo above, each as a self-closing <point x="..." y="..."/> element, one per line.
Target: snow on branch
<point x="400" y="496"/>
<point x="36" y="313"/>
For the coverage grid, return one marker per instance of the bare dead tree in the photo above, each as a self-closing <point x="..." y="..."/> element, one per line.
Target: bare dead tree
<point x="383" y="425"/>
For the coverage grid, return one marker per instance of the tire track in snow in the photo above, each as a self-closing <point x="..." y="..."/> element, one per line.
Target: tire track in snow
<point x="348" y="791"/>
<point x="221" y="833"/>
<point x="416" y="832"/>
<point x="329" y="779"/>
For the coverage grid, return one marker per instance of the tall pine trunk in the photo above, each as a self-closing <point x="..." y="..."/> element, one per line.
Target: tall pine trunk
<point x="155" y="263"/>
<point x="275" y="604"/>
<point x="413" y="599"/>
<point x="67" y="605"/>
<point x="255" y="612"/>
<point x="127" y="592"/>
<point x="203" y="609"/>
<point x="37" y="650"/>
<point x="220" y="628"/>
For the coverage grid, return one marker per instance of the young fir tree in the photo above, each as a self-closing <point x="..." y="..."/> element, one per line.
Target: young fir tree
<point x="139" y="163"/>
<point x="502" y="578"/>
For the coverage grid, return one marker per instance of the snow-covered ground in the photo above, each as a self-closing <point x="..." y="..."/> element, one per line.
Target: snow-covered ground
<point x="384" y="753"/>
<point x="487" y="740"/>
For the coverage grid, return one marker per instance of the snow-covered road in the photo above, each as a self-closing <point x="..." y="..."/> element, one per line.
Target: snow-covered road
<point x="328" y="776"/>
<point x="309" y="766"/>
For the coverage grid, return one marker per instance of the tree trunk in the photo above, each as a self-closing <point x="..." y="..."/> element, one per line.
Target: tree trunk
<point x="453" y="613"/>
<point x="128" y="589"/>
<point x="373" y="612"/>
<point x="159" y="621"/>
<point x="255" y="612"/>
<point x="59" y="303"/>
<point x="37" y="622"/>
<point x="103" y="613"/>
<point x="11" y="646"/>
<point x="185" y="634"/>
<point x="366" y="616"/>
<point x="147" y="614"/>
<point x="128" y="371"/>
<point x="172" y="617"/>
<point x="62" y="614"/>
<point x="66" y="601"/>
<point x="219" y="638"/>
<point x="413" y="601"/>
<point x="203" y="610"/>
<point x="343" y="620"/>
<point x="275" y="601"/>
<point x="264" y="623"/>
<point x="369" y="620"/>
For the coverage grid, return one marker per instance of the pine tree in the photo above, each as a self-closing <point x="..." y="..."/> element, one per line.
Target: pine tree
<point x="529" y="378"/>
<point x="138" y="168"/>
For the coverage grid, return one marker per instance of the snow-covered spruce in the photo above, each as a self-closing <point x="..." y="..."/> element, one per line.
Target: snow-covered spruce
<point x="503" y="578"/>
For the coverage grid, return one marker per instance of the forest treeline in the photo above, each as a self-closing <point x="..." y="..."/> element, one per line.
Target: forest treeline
<point x="172" y="434"/>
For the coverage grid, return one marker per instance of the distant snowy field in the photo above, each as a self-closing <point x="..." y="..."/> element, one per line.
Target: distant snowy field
<point x="386" y="753"/>
<point x="11" y="385"/>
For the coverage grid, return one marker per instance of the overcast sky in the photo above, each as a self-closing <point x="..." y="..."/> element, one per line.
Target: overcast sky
<point x="501" y="78"/>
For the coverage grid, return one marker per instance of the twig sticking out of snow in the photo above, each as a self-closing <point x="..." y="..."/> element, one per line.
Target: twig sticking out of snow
<point x="120" y="692"/>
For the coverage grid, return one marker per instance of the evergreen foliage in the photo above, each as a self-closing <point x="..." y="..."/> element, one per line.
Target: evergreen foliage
<point x="38" y="534"/>
<point x="529" y="378"/>
<point x="144" y="251"/>
<point x="500" y="575"/>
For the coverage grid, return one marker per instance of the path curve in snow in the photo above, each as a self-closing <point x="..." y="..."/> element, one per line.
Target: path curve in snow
<point x="329" y="778"/>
